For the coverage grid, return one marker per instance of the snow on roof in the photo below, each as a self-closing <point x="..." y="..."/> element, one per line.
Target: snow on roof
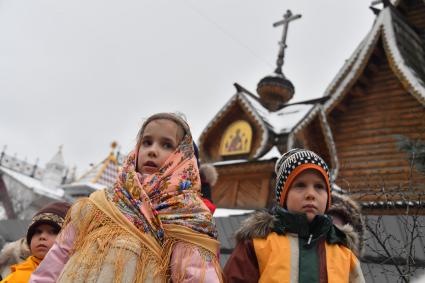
<point x="229" y="162"/>
<point x="76" y="190"/>
<point x="57" y="158"/>
<point x="284" y="120"/>
<point x="239" y="96"/>
<point x="244" y="99"/>
<point x="272" y="153"/>
<point x="22" y="166"/>
<point x="226" y="212"/>
<point x="346" y="68"/>
<point x="279" y="122"/>
<point x="386" y="25"/>
<point x="411" y="64"/>
<point x="310" y="115"/>
<point x="353" y="64"/>
<point x="405" y="53"/>
<point x="392" y="204"/>
<point x="93" y="186"/>
<point x="218" y="115"/>
<point x="34" y="184"/>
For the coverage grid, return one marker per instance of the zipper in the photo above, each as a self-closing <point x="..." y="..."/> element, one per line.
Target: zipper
<point x="309" y="239"/>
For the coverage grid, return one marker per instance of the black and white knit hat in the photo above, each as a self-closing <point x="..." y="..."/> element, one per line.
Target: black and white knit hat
<point x="291" y="164"/>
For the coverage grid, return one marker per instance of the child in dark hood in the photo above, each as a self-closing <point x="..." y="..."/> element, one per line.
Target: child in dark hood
<point x="209" y="176"/>
<point x="296" y="241"/>
<point x="41" y="235"/>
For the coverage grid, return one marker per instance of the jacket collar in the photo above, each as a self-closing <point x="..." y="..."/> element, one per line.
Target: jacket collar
<point x="297" y="223"/>
<point x="281" y="221"/>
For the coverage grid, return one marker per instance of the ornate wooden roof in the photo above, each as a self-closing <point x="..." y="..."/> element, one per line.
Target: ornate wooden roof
<point x="404" y="50"/>
<point x="269" y="124"/>
<point x="238" y="100"/>
<point x="103" y="173"/>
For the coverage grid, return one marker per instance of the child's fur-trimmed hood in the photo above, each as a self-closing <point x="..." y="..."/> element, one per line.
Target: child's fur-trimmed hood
<point x="350" y="212"/>
<point x="12" y="253"/>
<point x="257" y="225"/>
<point x="209" y="173"/>
<point x="261" y="223"/>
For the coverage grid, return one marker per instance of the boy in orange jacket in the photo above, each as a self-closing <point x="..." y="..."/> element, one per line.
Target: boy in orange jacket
<point x="41" y="235"/>
<point x="296" y="241"/>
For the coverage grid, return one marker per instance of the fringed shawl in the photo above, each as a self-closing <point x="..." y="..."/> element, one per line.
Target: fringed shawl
<point x="155" y="212"/>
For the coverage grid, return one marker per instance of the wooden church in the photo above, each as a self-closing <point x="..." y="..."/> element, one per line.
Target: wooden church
<point x="376" y="99"/>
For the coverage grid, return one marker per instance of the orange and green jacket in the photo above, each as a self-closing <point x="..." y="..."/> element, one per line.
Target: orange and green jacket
<point x="21" y="272"/>
<point x="293" y="250"/>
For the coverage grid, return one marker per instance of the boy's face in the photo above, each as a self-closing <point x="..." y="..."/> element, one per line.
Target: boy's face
<point x="159" y="140"/>
<point x="42" y="240"/>
<point x="308" y="194"/>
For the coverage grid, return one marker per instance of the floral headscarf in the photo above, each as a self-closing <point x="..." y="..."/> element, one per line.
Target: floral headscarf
<point x="169" y="196"/>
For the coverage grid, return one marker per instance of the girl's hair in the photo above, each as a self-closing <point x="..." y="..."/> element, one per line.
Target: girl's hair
<point x="175" y="117"/>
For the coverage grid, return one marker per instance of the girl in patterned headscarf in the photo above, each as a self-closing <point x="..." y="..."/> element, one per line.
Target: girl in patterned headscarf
<point x="151" y="226"/>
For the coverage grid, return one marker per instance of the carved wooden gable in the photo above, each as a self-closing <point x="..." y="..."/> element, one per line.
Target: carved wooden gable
<point x="236" y="132"/>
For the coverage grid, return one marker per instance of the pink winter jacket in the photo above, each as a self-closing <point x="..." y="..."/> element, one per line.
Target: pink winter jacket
<point x="55" y="260"/>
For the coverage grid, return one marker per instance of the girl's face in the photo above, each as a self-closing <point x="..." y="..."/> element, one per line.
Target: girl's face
<point x="159" y="140"/>
<point x="308" y="194"/>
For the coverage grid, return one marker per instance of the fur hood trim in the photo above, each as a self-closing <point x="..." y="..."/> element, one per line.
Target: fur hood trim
<point x="350" y="212"/>
<point x="210" y="173"/>
<point x="352" y="238"/>
<point x="258" y="225"/>
<point x="14" y="252"/>
<point x="261" y="223"/>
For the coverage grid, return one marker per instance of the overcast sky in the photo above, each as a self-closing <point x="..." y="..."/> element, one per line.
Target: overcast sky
<point x="84" y="73"/>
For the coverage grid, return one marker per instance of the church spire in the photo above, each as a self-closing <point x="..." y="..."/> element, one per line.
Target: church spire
<point x="55" y="170"/>
<point x="276" y="90"/>
<point x="287" y="18"/>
